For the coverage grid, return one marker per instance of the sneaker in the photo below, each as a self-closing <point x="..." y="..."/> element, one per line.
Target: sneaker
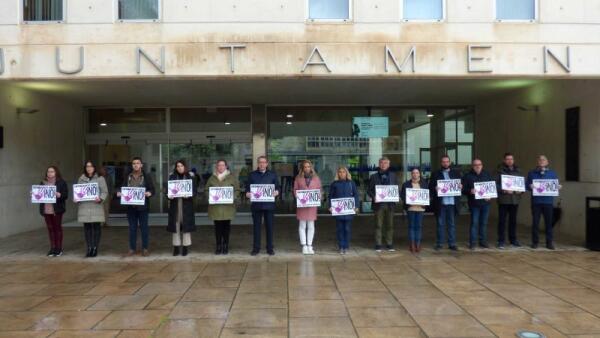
<point x="51" y="253"/>
<point x="550" y="246"/>
<point x="271" y="252"/>
<point x="453" y="248"/>
<point x="500" y="246"/>
<point x="516" y="244"/>
<point x="305" y="250"/>
<point x="310" y="250"/>
<point x="58" y="253"/>
<point x="471" y="247"/>
<point x="130" y="253"/>
<point x="484" y="245"/>
<point x="184" y="251"/>
<point x="145" y="253"/>
<point x="378" y="248"/>
<point x="437" y="247"/>
<point x="390" y="248"/>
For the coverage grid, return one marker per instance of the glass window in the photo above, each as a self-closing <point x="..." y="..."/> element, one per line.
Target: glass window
<point x="42" y="10"/>
<point x="515" y="9"/>
<point x="210" y="119"/>
<point x="138" y="9"/>
<point x="423" y="10"/>
<point x="329" y="9"/>
<point x="127" y="120"/>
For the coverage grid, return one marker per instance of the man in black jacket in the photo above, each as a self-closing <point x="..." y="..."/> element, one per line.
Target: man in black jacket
<point x="445" y="208"/>
<point x="508" y="202"/>
<point x="384" y="211"/>
<point x="480" y="208"/>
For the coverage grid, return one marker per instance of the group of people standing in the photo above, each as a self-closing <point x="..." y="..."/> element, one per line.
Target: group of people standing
<point x="181" y="217"/>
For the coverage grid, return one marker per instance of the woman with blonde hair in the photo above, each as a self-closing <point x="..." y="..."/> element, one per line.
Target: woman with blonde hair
<point x="343" y="187"/>
<point x="307" y="179"/>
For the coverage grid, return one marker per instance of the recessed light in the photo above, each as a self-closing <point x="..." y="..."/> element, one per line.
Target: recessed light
<point x="103" y="124"/>
<point x="227" y="123"/>
<point x="430" y="115"/>
<point x="288" y="123"/>
<point x="289" y="116"/>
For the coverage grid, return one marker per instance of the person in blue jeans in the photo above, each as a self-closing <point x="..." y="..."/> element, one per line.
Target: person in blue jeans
<point x="343" y="187"/>
<point x="262" y="210"/>
<point x="480" y="208"/>
<point x="541" y="205"/>
<point x="445" y="208"/>
<point x="137" y="215"/>
<point x="414" y="213"/>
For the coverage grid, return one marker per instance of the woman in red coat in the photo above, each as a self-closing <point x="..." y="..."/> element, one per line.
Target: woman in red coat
<point x="307" y="179"/>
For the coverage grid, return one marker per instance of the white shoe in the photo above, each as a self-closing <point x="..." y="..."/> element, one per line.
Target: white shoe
<point x="310" y="250"/>
<point x="305" y="250"/>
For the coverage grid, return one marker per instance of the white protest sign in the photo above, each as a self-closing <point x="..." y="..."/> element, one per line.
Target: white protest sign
<point x="85" y="192"/>
<point x="448" y="188"/>
<point x="43" y="194"/>
<point x="545" y="187"/>
<point x="386" y="193"/>
<point x="133" y="196"/>
<point x="343" y="206"/>
<point x="180" y="188"/>
<point x="308" y="198"/>
<point x="220" y="195"/>
<point x="262" y="192"/>
<point x="417" y="197"/>
<point x="512" y="183"/>
<point x="485" y="190"/>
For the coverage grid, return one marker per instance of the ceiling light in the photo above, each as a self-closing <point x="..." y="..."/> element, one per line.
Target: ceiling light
<point x="288" y="123"/>
<point x="227" y="123"/>
<point x="430" y="115"/>
<point x="103" y="124"/>
<point x="289" y="116"/>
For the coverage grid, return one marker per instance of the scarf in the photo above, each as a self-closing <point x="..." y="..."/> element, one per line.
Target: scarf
<point x="222" y="175"/>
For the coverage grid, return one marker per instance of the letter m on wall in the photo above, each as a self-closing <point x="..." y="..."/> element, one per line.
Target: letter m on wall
<point x="412" y="55"/>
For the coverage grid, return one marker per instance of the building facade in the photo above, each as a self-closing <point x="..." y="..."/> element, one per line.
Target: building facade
<point x="234" y="79"/>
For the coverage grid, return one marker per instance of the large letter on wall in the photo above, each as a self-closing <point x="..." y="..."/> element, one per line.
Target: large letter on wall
<point x="232" y="54"/>
<point x="1" y="61"/>
<point x="310" y="62"/>
<point x="411" y="55"/>
<point x="566" y="67"/>
<point x="159" y="66"/>
<point x="471" y="58"/>
<point x="74" y="71"/>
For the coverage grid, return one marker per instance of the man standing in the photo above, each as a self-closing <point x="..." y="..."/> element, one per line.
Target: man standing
<point x="138" y="214"/>
<point x="262" y="210"/>
<point x="384" y="211"/>
<point x="480" y="208"/>
<point x="446" y="208"/>
<point x="541" y="205"/>
<point x="508" y="203"/>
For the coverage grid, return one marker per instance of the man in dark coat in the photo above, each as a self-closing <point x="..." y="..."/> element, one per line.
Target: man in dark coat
<point x="384" y="212"/>
<point x="445" y="208"/>
<point x="480" y="208"/>
<point x="508" y="202"/>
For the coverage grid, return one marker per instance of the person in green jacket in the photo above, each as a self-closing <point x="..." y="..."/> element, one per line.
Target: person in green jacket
<point x="222" y="214"/>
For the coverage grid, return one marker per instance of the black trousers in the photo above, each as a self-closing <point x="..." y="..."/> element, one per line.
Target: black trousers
<point x="510" y="211"/>
<point x="92" y="234"/>
<point x="257" y="217"/>
<point x="222" y="230"/>
<point x="537" y="211"/>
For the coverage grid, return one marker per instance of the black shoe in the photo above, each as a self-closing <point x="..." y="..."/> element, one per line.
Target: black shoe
<point x="51" y="253"/>
<point x="500" y="245"/>
<point x="437" y="248"/>
<point x="89" y="252"/>
<point x="471" y="247"/>
<point x="516" y="244"/>
<point x="390" y="248"/>
<point x="453" y="248"/>
<point x="254" y="252"/>
<point x="184" y="251"/>
<point x="378" y="248"/>
<point x="58" y="252"/>
<point x="219" y="250"/>
<point x="175" y="251"/>
<point x="225" y="249"/>
<point x="94" y="252"/>
<point x="550" y="246"/>
<point x="484" y="245"/>
<point x="534" y="245"/>
<point x="271" y="252"/>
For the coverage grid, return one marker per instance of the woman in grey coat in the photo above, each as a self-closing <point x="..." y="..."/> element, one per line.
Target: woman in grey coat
<point x="91" y="213"/>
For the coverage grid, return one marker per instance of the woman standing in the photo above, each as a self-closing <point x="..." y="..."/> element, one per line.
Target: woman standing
<point x="91" y="213"/>
<point x="182" y="221"/>
<point x="343" y="187"/>
<point x="53" y="213"/>
<point x="414" y="212"/>
<point x="307" y="179"/>
<point x="222" y="214"/>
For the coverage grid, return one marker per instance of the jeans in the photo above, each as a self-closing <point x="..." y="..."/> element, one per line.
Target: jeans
<point x="446" y="220"/>
<point x="384" y="225"/>
<point x="509" y="210"/>
<point x="343" y="230"/>
<point x="55" y="232"/>
<point x="537" y="211"/>
<point x="257" y="217"/>
<point x="415" y="226"/>
<point x="479" y="222"/>
<point x="135" y="217"/>
<point x="92" y="234"/>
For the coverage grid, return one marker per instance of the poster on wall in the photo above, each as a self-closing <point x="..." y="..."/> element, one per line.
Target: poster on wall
<point x="370" y="127"/>
<point x="43" y="194"/>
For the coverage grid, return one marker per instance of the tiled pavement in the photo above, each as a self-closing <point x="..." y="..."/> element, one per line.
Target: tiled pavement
<point x="486" y="293"/>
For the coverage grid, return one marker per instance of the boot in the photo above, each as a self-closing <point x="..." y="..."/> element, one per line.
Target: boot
<point x="225" y="248"/>
<point x="175" y="251"/>
<point x="94" y="252"/>
<point x="219" y="249"/>
<point x="184" y="251"/>
<point x="89" y="252"/>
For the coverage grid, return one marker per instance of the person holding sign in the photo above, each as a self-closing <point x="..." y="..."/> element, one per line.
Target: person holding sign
<point x="307" y="187"/>
<point x="474" y="184"/>
<point x="344" y="189"/>
<point x="446" y="188"/>
<point x="383" y="190"/>
<point x="222" y="189"/>
<point x="53" y="212"/>
<point x="182" y="221"/>
<point x="542" y="200"/>
<point x="91" y="211"/>
<point x="262" y="188"/>
<point x="414" y="205"/>
<point x="138" y="214"/>
<point x="510" y="185"/>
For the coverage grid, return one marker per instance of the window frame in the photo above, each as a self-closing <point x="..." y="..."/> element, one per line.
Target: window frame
<point x="119" y="20"/>
<point x="404" y="19"/>
<point x="42" y="22"/>
<point x="349" y="20"/>
<point x="536" y="10"/>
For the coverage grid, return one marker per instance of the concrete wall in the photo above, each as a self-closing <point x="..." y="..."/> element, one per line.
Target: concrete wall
<point x="31" y="143"/>
<point x="501" y="127"/>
